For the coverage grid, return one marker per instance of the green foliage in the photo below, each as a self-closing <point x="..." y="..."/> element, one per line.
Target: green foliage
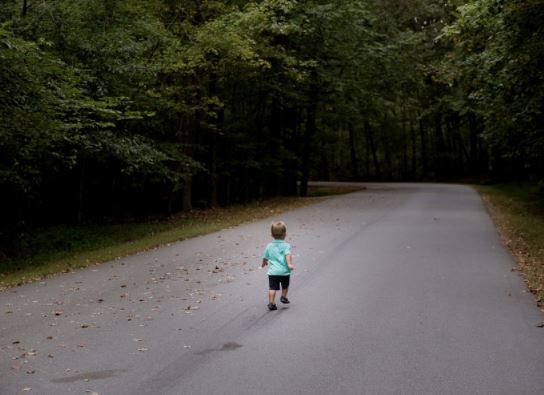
<point x="498" y="53"/>
<point x="75" y="104"/>
<point x="115" y="109"/>
<point x="28" y="97"/>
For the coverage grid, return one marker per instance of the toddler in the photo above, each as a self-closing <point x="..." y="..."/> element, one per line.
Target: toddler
<point x="277" y="256"/>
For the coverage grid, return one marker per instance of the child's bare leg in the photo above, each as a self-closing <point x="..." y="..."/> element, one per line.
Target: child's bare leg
<point x="283" y="298"/>
<point x="272" y="296"/>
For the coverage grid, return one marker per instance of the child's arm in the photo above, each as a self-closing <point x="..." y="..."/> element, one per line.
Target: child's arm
<point x="289" y="259"/>
<point x="265" y="262"/>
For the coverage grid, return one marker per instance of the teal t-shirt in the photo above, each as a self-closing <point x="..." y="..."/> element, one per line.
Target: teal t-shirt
<point x="275" y="253"/>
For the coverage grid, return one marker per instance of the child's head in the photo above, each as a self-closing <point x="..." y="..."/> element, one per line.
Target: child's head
<point x="278" y="230"/>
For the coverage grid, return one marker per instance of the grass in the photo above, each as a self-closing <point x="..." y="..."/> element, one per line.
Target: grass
<point x="66" y="248"/>
<point x="518" y="212"/>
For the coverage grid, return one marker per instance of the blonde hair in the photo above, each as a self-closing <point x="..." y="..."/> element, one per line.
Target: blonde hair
<point x="278" y="230"/>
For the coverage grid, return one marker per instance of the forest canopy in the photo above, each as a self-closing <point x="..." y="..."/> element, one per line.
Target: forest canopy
<point x="114" y="109"/>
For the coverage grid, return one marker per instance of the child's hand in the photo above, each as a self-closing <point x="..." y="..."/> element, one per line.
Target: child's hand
<point x="265" y="262"/>
<point x="289" y="259"/>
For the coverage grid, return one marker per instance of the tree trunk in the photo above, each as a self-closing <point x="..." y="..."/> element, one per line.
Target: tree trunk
<point x="80" y="194"/>
<point x="273" y="185"/>
<point x="440" y="147"/>
<point x="404" y="173"/>
<point x="353" y="152"/>
<point x="367" y="156"/>
<point x="461" y="153"/>
<point x="370" y="136"/>
<point x="245" y="179"/>
<point x="424" y="169"/>
<point x="185" y="127"/>
<point x="213" y="169"/>
<point x="450" y="149"/>
<point x="187" y="203"/>
<point x="386" y="150"/>
<point x="228" y="190"/>
<point x="414" y="148"/>
<point x="309" y="133"/>
<point x="212" y="140"/>
<point x="25" y="8"/>
<point x="473" y="141"/>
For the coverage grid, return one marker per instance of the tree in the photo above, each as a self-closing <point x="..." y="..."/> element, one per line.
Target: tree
<point x="498" y="52"/>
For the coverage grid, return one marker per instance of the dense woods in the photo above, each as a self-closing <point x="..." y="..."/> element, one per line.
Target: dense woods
<point x="117" y="109"/>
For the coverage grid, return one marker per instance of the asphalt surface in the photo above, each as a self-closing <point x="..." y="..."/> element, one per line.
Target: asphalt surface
<point x="398" y="289"/>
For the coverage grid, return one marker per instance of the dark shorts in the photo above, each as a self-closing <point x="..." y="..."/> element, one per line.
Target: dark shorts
<point x="275" y="281"/>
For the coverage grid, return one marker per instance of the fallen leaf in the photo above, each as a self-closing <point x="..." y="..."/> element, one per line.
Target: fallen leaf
<point x="142" y="349"/>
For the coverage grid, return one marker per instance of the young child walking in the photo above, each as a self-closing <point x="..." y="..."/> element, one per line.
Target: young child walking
<point x="277" y="256"/>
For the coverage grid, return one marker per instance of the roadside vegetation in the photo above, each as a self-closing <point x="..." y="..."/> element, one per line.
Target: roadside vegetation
<point x="518" y="212"/>
<point x="65" y="248"/>
<point x="149" y="108"/>
<point x="130" y="109"/>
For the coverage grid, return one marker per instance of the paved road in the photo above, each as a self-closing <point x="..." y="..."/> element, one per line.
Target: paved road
<point x="398" y="289"/>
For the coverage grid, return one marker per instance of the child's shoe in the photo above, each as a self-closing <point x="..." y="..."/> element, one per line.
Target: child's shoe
<point x="283" y="299"/>
<point x="272" y="306"/>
